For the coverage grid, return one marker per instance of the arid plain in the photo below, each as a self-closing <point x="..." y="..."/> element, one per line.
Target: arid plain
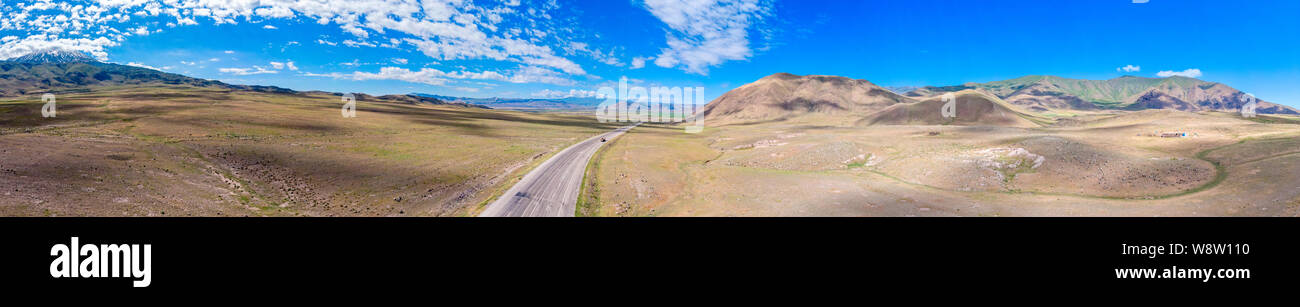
<point x="1006" y="161"/>
<point x="1107" y="167"/>
<point x="206" y="151"/>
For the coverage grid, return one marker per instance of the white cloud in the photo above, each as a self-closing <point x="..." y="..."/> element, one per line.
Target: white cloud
<point x="1190" y="73"/>
<point x="433" y="76"/>
<point x="572" y="93"/>
<point x="400" y="61"/>
<point x="607" y="57"/>
<point x="141" y="65"/>
<point x="424" y="76"/>
<point x="354" y="44"/>
<point x="638" y="62"/>
<point x="229" y="52"/>
<point x="1129" y="68"/>
<point x="706" y="33"/>
<point x="142" y="31"/>
<point x="274" y="12"/>
<point x="354" y="63"/>
<point x="13" y="48"/>
<point x="283" y="65"/>
<point x="534" y="74"/>
<point x="256" y="70"/>
<point x="515" y="50"/>
<point x="506" y="31"/>
<point x="214" y="60"/>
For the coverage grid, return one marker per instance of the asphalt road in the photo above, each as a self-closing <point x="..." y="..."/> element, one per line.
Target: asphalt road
<point x="551" y="189"/>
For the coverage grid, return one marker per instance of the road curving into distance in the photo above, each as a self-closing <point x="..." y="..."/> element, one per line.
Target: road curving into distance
<point x="551" y="190"/>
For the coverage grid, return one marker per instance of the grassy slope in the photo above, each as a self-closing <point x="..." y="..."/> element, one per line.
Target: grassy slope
<point x="1114" y="93"/>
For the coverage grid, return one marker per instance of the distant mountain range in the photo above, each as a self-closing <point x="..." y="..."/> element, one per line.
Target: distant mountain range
<point x="1016" y="102"/>
<point x="55" y="71"/>
<point x="902" y="89"/>
<point x="525" y="104"/>
<point x="1044" y="93"/>
<point x="840" y="101"/>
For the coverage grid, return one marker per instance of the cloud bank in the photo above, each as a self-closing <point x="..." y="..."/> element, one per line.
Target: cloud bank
<point x="1190" y="73"/>
<point x="706" y="33"/>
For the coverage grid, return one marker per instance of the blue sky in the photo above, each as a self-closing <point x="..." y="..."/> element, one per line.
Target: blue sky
<point x="558" y="48"/>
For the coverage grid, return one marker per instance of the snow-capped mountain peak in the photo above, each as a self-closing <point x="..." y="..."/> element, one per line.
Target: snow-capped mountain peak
<point x="54" y="55"/>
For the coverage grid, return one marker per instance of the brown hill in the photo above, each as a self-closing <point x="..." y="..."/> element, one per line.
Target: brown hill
<point x="1202" y="97"/>
<point x="973" y="108"/>
<point x="784" y="96"/>
<point x="1043" y="96"/>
